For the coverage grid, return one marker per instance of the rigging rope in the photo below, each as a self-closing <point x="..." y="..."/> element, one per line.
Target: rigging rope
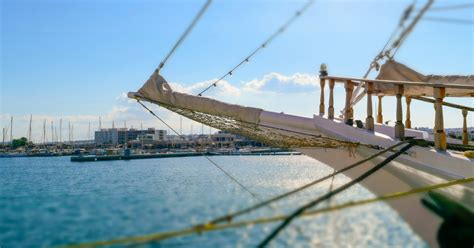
<point x="336" y="191"/>
<point x="453" y="7"/>
<point x="263" y="45"/>
<point x="233" y="178"/>
<point x="448" y="20"/>
<point x="209" y="228"/>
<point x="231" y="216"/>
<point x="207" y="157"/>
<point x="396" y="44"/>
<point x="156" y="116"/>
<point x="186" y="32"/>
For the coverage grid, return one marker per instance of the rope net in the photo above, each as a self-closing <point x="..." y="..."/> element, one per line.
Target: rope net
<point x="273" y="136"/>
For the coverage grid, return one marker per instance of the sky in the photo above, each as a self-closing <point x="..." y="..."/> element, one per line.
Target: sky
<point x="76" y="60"/>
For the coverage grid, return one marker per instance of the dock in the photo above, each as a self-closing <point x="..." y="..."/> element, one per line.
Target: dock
<point x="176" y="155"/>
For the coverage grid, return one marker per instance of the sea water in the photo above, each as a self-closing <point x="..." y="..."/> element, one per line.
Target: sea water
<point x="51" y="201"/>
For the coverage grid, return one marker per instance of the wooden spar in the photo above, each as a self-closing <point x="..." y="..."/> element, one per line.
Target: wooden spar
<point x="439" y="134"/>
<point x="399" y="127"/>
<point x="322" y="81"/>
<point x="369" y="121"/>
<point x="465" y="135"/>
<point x="408" y="120"/>
<point x="331" y="99"/>
<point x="447" y="104"/>
<point x="406" y="83"/>
<point x="348" y="114"/>
<point x="379" y="110"/>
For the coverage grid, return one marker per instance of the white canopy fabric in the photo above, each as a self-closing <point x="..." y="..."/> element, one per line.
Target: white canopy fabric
<point x="157" y="90"/>
<point x="393" y="70"/>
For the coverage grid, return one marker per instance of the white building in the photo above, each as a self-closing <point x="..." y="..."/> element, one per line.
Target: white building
<point x="114" y="136"/>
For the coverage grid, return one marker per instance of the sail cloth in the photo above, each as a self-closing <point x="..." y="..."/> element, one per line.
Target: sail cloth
<point x="393" y="70"/>
<point x="157" y="90"/>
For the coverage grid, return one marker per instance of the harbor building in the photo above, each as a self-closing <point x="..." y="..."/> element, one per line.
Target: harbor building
<point x="107" y="136"/>
<point x="115" y="136"/>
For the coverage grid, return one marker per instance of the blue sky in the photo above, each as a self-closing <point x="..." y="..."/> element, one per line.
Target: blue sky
<point x="75" y="59"/>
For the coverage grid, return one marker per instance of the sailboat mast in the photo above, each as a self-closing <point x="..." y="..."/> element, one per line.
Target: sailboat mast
<point x="11" y="130"/>
<point x="52" y="132"/>
<point x="180" y="125"/>
<point x="44" y="131"/>
<point x="60" y="130"/>
<point x="29" y="128"/>
<point x="69" y="132"/>
<point x="125" y="132"/>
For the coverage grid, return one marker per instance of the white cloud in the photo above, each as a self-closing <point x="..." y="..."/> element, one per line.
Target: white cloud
<point x="224" y="87"/>
<point x="297" y="79"/>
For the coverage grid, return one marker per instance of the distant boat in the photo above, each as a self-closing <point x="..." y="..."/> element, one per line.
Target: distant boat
<point x="12" y="155"/>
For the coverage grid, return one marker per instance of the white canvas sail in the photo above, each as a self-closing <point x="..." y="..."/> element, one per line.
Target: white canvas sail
<point x="157" y="90"/>
<point x="393" y="70"/>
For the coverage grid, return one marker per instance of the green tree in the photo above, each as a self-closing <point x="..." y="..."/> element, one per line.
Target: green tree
<point x="20" y="142"/>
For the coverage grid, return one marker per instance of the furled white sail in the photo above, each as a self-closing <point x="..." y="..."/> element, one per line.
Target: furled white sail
<point x="250" y="122"/>
<point x="157" y="90"/>
<point x="393" y="70"/>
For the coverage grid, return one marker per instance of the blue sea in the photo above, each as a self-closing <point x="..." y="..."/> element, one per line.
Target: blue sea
<point x="50" y="201"/>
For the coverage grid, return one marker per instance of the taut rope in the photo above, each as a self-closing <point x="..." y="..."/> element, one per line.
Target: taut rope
<point x="186" y="32"/>
<point x="336" y="191"/>
<point x="263" y="45"/>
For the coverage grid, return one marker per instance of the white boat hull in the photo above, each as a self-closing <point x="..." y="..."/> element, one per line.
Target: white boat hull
<point x="420" y="167"/>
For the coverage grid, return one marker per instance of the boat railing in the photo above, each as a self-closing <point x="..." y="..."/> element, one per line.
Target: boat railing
<point x="439" y="93"/>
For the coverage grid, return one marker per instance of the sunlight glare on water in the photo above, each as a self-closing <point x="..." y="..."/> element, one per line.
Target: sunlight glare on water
<point x="51" y="201"/>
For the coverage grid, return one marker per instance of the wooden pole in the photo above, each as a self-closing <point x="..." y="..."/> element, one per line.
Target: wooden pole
<point x="465" y="135"/>
<point x="408" y="118"/>
<point x="399" y="127"/>
<point x="348" y="114"/>
<point x="322" y="82"/>
<point x="379" y="110"/>
<point x="439" y="134"/>
<point x="332" y="82"/>
<point x="369" y="121"/>
<point x="447" y="104"/>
